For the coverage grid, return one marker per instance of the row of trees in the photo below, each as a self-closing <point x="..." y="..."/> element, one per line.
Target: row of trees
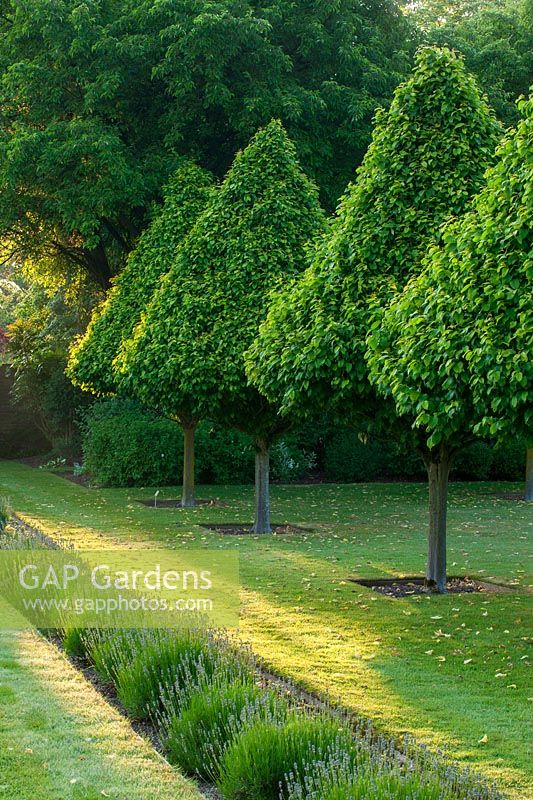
<point x="242" y="304"/>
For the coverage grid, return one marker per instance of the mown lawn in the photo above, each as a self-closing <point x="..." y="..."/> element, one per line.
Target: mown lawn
<point x="60" y="740"/>
<point x="452" y="670"/>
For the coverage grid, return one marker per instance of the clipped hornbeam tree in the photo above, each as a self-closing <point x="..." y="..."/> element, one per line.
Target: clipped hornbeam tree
<point x="188" y="352"/>
<point x="427" y="158"/>
<point x="93" y="358"/>
<point x="455" y="348"/>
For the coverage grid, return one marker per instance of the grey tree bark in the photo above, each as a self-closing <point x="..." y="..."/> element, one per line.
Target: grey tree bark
<point x="438" y="463"/>
<point x="529" y="474"/>
<point x="187" y="496"/>
<point x="262" y="492"/>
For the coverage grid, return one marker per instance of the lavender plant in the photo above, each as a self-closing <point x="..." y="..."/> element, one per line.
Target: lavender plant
<point x="256" y="766"/>
<point x="214" y="717"/>
<point x="386" y="773"/>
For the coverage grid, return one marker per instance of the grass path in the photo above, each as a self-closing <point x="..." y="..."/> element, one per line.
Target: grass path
<point x="60" y="740"/>
<point x="452" y="670"/>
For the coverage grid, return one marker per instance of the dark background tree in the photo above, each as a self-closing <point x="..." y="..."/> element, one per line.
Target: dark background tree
<point x="495" y="38"/>
<point x="47" y="320"/>
<point x="99" y="99"/>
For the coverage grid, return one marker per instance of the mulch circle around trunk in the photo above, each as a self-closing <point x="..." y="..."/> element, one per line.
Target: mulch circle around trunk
<point x="239" y="529"/>
<point x="510" y="496"/>
<point x="177" y="503"/>
<point x="407" y="587"/>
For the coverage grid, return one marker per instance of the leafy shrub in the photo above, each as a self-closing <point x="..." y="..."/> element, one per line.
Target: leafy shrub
<point x="158" y="668"/>
<point x="289" y="461"/>
<point x="109" y="650"/>
<point x="124" y="445"/>
<point x="347" y="459"/>
<point x="481" y="461"/>
<point x="74" y="642"/>
<point x="473" y="463"/>
<point x="338" y="782"/>
<point x="213" y="717"/>
<point x="223" y="456"/>
<point x="5" y="511"/>
<point x="377" y="772"/>
<point x="127" y="445"/>
<point x="164" y="661"/>
<point x="257" y="763"/>
<point x="509" y="460"/>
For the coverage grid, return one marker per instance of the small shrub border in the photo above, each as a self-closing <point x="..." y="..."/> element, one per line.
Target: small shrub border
<point x="220" y="719"/>
<point x="218" y="716"/>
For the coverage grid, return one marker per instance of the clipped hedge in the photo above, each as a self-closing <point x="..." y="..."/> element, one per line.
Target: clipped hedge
<point x="127" y="445"/>
<point x="348" y="459"/>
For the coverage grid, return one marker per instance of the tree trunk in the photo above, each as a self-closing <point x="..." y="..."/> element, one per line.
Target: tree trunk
<point x="187" y="497"/>
<point x="529" y="474"/>
<point x="438" y="463"/>
<point x="262" y="495"/>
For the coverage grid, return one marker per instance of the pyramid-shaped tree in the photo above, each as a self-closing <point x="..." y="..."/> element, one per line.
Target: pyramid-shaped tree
<point x="93" y="359"/>
<point x="427" y="158"/>
<point x="188" y="352"/>
<point x="455" y="348"/>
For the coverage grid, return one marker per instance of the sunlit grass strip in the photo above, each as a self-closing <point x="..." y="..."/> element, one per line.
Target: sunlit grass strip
<point x="59" y="738"/>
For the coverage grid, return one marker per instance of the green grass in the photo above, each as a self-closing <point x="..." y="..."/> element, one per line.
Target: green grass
<point x="452" y="670"/>
<point x="60" y="740"/>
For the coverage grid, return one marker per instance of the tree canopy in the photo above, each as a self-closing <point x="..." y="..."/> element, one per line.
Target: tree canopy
<point x="427" y="157"/>
<point x="455" y="348"/>
<point x="99" y="100"/>
<point x="92" y="358"/>
<point x="187" y="353"/>
<point x="494" y="36"/>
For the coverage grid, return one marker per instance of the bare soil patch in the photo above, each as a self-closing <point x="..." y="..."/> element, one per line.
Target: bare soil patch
<point x="245" y="529"/>
<point x="215" y="503"/>
<point x="510" y="496"/>
<point x="407" y="587"/>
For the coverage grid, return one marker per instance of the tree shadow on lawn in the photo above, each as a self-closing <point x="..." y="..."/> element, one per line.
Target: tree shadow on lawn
<point x="410" y="665"/>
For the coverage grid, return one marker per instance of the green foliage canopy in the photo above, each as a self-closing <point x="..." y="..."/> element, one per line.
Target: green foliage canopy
<point x="38" y="346"/>
<point x="91" y="364"/>
<point x="187" y="353"/>
<point x="427" y="157"/>
<point x="98" y="101"/>
<point x="81" y="136"/>
<point x="496" y="39"/>
<point x="455" y="348"/>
